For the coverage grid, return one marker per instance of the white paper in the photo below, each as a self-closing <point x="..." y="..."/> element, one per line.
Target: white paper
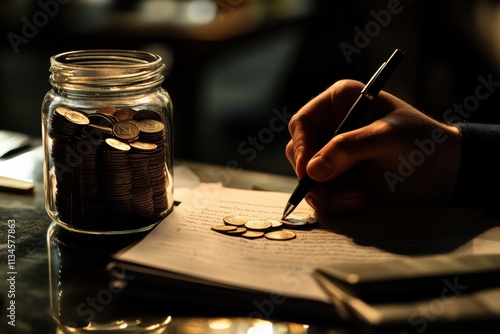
<point x="185" y="244"/>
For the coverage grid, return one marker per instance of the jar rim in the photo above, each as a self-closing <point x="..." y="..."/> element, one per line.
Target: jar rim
<point x="114" y="57"/>
<point x="104" y="69"/>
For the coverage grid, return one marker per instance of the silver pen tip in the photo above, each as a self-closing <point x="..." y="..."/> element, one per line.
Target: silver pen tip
<point x="288" y="210"/>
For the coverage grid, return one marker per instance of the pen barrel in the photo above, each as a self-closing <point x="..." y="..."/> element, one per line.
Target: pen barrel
<point x="353" y="118"/>
<point x="305" y="185"/>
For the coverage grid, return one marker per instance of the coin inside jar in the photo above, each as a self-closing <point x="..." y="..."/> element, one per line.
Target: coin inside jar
<point x="124" y="113"/>
<point x="106" y="110"/>
<point x="150" y="126"/>
<point x="115" y="143"/>
<point x="75" y="117"/>
<point x="143" y="146"/>
<point x="126" y="131"/>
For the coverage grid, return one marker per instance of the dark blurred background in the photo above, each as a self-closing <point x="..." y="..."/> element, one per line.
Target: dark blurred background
<point x="233" y="65"/>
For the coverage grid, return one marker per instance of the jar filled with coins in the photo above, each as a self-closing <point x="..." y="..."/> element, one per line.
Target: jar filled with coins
<point x="108" y="141"/>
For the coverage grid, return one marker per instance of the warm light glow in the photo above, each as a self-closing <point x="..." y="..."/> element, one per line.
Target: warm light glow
<point x="201" y="11"/>
<point x="263" y="327"/>
<point x="219" y="324"/>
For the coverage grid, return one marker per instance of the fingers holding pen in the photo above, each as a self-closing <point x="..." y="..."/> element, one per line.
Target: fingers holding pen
<point x="346" y="150"/>
<point x="314" y="124"/>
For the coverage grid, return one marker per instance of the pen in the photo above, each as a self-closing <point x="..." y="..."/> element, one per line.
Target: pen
<point x="368" y="93"/>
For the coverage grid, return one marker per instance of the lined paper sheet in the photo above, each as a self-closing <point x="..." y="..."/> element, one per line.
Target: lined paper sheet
<point x="185" y="244"/>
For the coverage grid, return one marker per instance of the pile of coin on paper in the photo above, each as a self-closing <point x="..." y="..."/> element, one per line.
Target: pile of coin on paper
<point x="272" y="229"/>
<point x="110" y="167"/>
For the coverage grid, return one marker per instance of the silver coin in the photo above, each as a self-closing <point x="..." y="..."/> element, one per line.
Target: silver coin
<point x="299" y="220"/>
<point x="293" y="222"/>
<point x="280" y="235"/>
<point x="235" y="220"/>
<point x="258" y="224"/>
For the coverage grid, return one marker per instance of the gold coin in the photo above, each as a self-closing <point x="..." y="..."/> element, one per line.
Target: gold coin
<point x="150" y="126"/>
<point x="223" y="228"/>
<point x="258" y="224"/>
<point x="238" y="231"/>
<point x="119" y="145"/>
<point x="104" y="129"/>
<point x="74" y="116"/>
<point x="126" y="131"/>
<point x="252" y="234"/>
<point x="235" y="220"/>
<point x="143" y="146"/>
<point x="106" y="110"/>
<point x="275" y="223"/>
<point x="280" y="235"/>
<point x="303" y="216"/>
<point x="124" y="113"/>
<point x="146" y="114"/>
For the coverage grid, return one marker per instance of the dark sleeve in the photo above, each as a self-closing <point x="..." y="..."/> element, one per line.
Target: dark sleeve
<point x="479" y="178"/>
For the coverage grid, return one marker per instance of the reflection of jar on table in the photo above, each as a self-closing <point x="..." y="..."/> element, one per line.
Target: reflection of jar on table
<point x="87" y="298"/>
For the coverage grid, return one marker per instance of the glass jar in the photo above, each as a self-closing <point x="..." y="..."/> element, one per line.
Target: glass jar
<point x="107" y="128"/>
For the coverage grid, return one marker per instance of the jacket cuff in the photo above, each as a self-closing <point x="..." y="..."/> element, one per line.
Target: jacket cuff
<point x="478" y="183"/>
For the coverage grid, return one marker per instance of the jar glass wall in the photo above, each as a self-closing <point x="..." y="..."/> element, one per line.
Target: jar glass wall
<point x="107" y="129"/>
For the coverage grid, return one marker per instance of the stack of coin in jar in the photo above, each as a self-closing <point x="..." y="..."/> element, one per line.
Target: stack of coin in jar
<point x="110" y="167"/>
<point x="271" y="228"/>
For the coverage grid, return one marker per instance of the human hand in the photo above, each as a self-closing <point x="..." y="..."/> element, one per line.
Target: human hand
<point x="397" y="155"/>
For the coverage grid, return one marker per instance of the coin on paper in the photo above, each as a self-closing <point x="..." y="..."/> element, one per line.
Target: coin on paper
<point x="299" y="220"/>
<point x="294" y="223"/>
<point x="237" y="231"/>
<point x="275" y="223"/>
<point x="223" y="228"/>
<point x="280" y="235"/>
<point x="299" y="215"/>
<point x="235" y="220"/>
<point x="252" y="234"/>
<point x="106" y="110"/>
<point x="258" y="224"/>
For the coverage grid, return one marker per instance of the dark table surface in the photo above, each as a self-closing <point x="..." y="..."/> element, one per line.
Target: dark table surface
<point x="59" y="277"/>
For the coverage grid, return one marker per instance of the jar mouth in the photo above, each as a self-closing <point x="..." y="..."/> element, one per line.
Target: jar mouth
<point x="97" y="70"/>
